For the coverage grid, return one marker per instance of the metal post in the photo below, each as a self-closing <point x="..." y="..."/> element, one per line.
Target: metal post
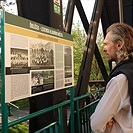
<point x="4" y="104"/>
<point x="69" y="16"/>
<point x="86" y="27"/>
<point x="85" y="69"/>
<point x="72" y="109"/>
<point x="120" y="10"/>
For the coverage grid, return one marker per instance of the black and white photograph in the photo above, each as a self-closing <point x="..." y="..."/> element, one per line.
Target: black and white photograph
<point x="42" y="81"/>
<point x="36" y="78"/>
<point x="42" y="54"/>
<point x="19" y="57"/>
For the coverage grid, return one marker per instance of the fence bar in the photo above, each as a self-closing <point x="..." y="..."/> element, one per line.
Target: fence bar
<point x="60" y="119"/>
<point x="4" y="104"/>
<point x="81" y="115"/>
<point x="87" y="119"/>
<point x="78" y="116"/>
<point x="72" y="109"/>
<point x="56" y="128"/>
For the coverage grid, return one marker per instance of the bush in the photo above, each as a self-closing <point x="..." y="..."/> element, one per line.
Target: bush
<point x="20" y="128"/>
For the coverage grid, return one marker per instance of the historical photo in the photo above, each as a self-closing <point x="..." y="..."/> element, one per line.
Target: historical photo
<point x="42" y="54"/>
<point x="37" y="78"/>
<point x="19" y="57"/>
<point x="42" y="81"/>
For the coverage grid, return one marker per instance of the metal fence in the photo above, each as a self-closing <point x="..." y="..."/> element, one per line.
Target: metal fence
<point x="79" y="121"/>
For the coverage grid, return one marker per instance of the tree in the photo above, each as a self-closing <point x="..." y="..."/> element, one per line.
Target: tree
<point x="79" y="40"/>
<point x="95" y="71"/>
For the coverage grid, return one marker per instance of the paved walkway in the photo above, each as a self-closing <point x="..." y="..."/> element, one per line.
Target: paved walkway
<point x="18" y="114"/>
<point x="24" y="112"/>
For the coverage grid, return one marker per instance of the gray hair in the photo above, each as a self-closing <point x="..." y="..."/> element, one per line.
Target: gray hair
<point x="124" y="33"/>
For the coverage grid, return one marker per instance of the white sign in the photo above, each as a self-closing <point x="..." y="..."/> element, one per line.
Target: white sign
<point x="38" y="59"/>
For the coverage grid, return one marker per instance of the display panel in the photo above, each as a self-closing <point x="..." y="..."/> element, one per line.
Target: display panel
<point x="38" y="59"/>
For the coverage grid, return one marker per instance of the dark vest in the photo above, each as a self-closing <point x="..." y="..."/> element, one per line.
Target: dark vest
<point x="125" y="67"/>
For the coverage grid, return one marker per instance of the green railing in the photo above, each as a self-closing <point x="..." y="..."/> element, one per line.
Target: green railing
<point x="80" y="115"/>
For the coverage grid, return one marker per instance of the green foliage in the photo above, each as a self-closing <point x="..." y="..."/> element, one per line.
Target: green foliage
<point x="79" y="39"/>
<point x="24" y="103"/>
<point x="95" y="70"/>
<point x="20" y="128"/>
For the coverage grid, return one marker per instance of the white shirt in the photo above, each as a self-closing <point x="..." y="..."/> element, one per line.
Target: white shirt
<point x="114" y="104"/>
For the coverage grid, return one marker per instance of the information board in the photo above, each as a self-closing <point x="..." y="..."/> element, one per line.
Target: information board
<point x="37" y="59"/>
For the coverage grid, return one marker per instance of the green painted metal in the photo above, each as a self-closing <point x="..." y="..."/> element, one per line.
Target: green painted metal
<point x="80" y="115"/>
<point x="78" y="118"/>
<point x="25" y="118"/>
<point x="72" y="109"/>
<point x="4" y="106"/>
<point x="89" y="109"/>
<point x="87" y="121"/>
<point x="54" y="125"/>
<point x="60" y="119"/>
